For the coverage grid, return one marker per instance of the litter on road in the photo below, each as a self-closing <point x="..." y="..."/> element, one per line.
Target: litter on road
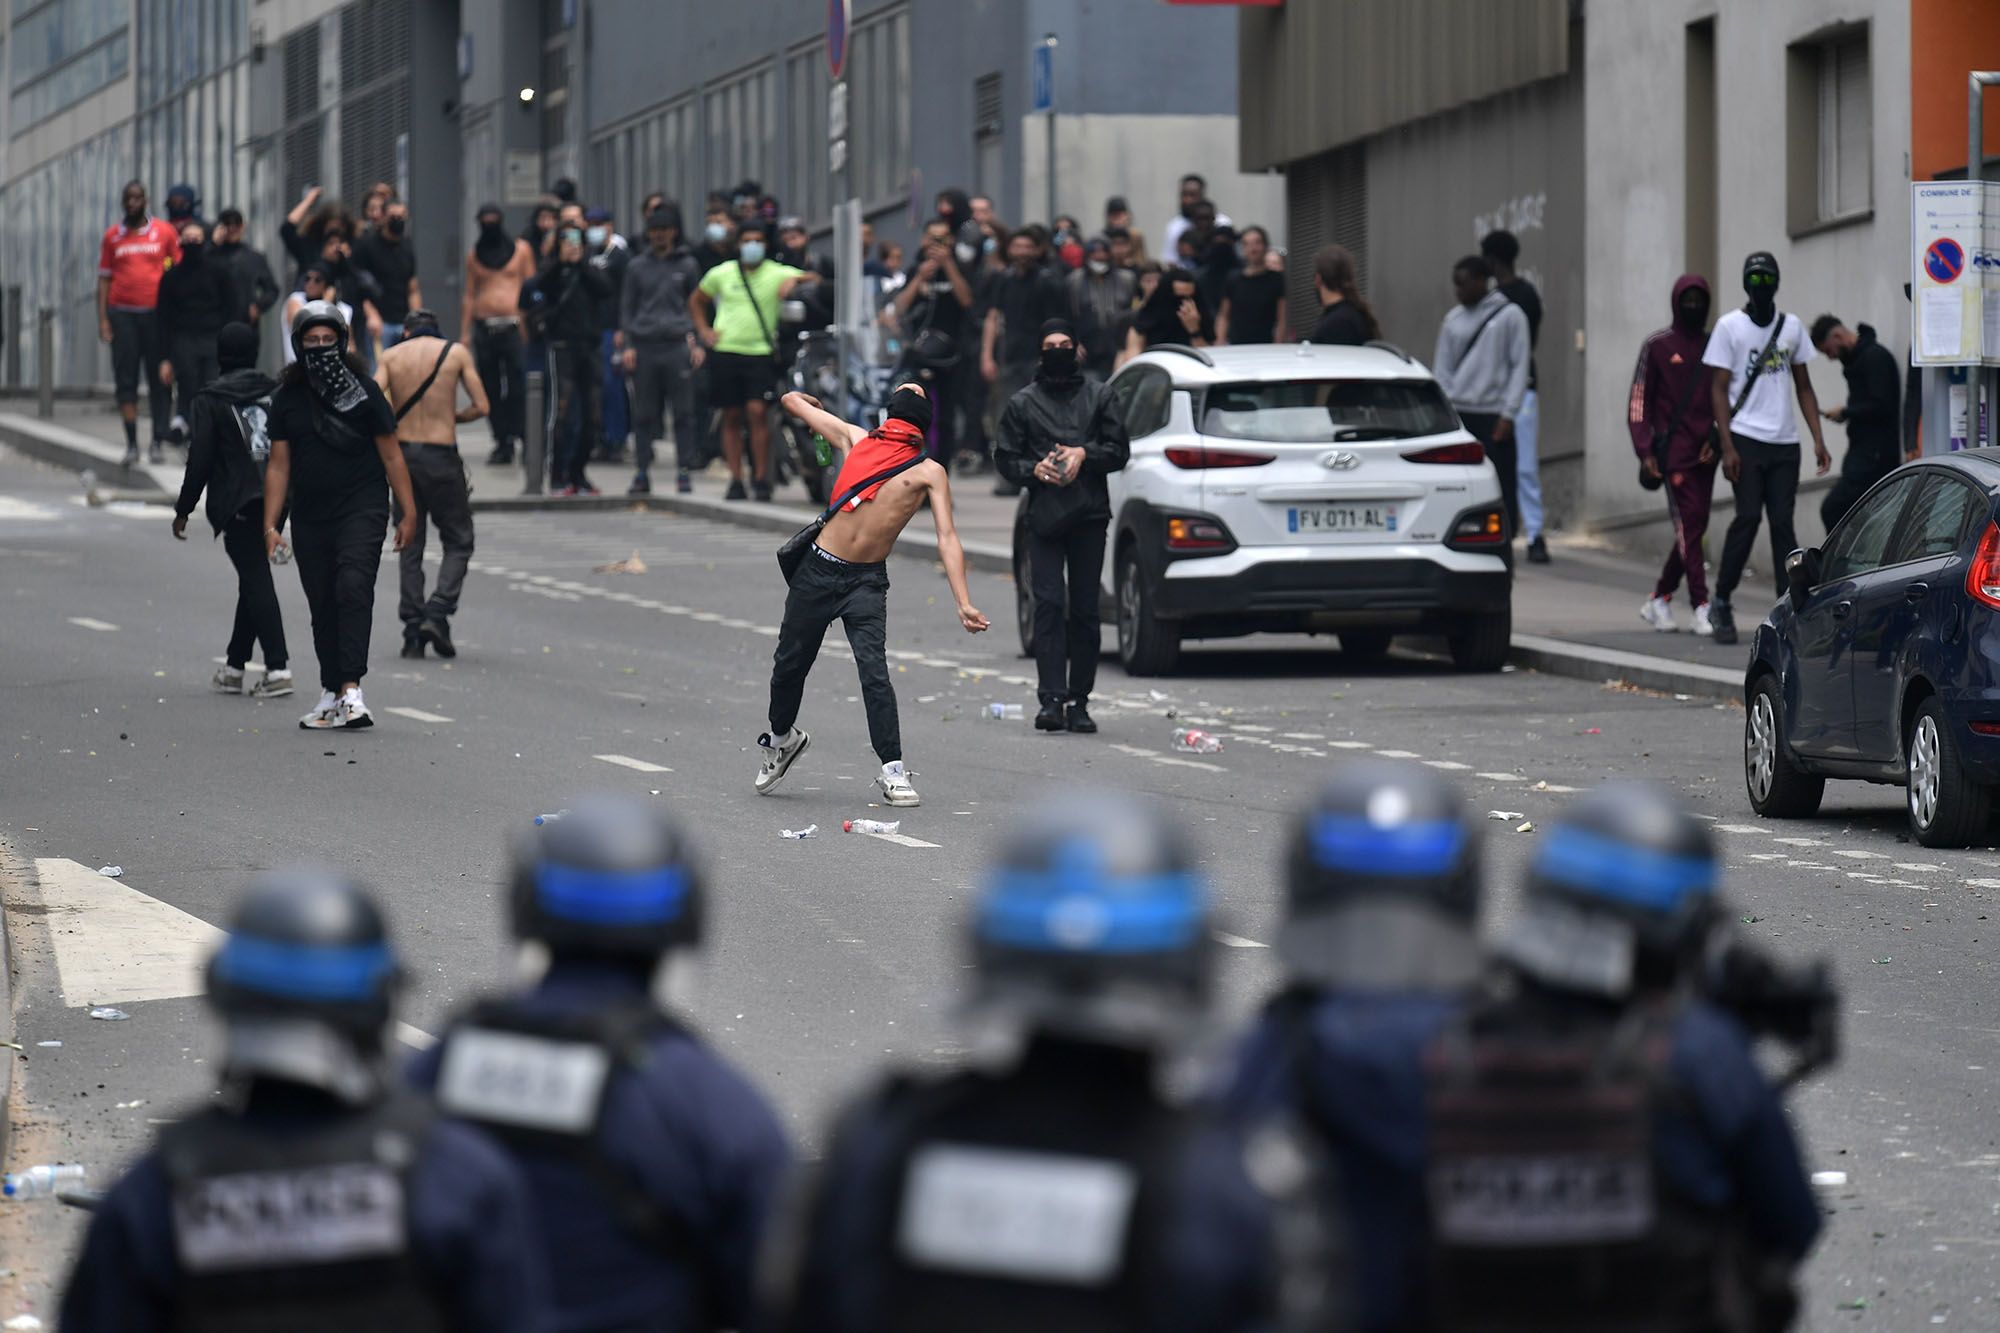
<point x="1829" y="1179"/>
<point x="1505" y="815"/>
<point x="48" y="1044"/>
<point x="631" y="564"/>
<point x="111" y="872"/>
<point x="999" y="712"/>
<point x="1191" y="740"/>
<point x="809" y="831"/>
<point x="110" y="1015"/>
<point x="871" y="825"/>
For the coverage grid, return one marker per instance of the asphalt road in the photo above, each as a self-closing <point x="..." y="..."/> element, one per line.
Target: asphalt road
<point x="833" y="954"/>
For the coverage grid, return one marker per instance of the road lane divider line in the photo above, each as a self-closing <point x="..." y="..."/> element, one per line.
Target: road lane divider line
<point x="901" y="839"/>
<point x="417" y="714"/>
<point x="1447" y="765"/>
<point x="116" y="945"/>
<point x="1500" y="777"/>
<point x="636" y="765"/>
<point x="1228" y="940"/>
<point x="1740" y="828"/>
<point x="92" y="622"/>
<point x="1188" y="763"/>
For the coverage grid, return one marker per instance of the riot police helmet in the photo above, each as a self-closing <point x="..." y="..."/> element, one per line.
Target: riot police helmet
<point x="1382" y="882"/>
<point x="1621" y="893"/>
<point x="613" y="878"/>
<point x="1094" y="924"/>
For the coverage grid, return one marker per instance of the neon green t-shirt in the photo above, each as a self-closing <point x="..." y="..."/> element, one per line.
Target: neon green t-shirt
<point x="737" y="329"/>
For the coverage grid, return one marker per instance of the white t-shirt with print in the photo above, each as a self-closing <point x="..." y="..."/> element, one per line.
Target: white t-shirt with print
<point x="1736" y="342"/>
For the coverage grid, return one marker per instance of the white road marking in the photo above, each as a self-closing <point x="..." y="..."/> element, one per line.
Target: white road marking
<point x="1557" y="788"/>
<point x="1741" y="828"/>
<point x="1918" y="866"/>
<point x="114" y="944"/>
<point x="1861" y="855"/>
<point x="636" y="765"/>
<point x="417" y="715"/>
<point x="1188" y="763"/>
<point x="901" y="839"/>
<point x="1448" y="765"/>
<point x="1800" y="842"/>
<point x="1305" y="735"/>
<point x="1136" y="750"/>
<point x="1245" y="726"/>
<point x="1982" y="883"/>
<point x="90" y="622"/>
<point x="13" y="508"/>
<point x="1397" y="754"/>
<point x="1223" y="937"/>
<point x="414" y="1037"/>
<point x="1501" y="777"/>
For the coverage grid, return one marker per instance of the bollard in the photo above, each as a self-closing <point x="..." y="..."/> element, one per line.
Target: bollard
<point x="45" y="363"/>
<point x="535" y="443"/>
<point x="13" y="336"/>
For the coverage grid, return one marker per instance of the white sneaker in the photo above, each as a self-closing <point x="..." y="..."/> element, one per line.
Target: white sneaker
<point x="1659" y="613"/>
<point x="1701" y="624"/>
<point x="779" y="755"/>
<point x="895" y="785"/>
<point x="322" y="717"/>
<point x="276" y="684"/>
<point x="352" y="713"/>
<point x="227" y="680"/>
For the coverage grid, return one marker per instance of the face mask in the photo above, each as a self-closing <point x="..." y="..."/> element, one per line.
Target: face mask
<point x="1100" y="266"/>
<point x="907" y="405"/>
<point x="716" y="232"/>
<point x="393" y="227"/>
<point x="190" y="251"/>
<point x="328" y="373"/>
<point x="988" y="246"/>
<point x="751" y="253"/>
<point x="1690" y="315"/>
<point x="966" y="253"/>
<point x="1058" y="363"/>
<point x="596" y="235"/>
<point x="489" y="227"/>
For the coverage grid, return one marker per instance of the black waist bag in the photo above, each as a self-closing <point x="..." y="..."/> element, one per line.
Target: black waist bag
<point x="793" y="552"/>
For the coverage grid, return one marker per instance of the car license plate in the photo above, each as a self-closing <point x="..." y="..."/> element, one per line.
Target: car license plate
<point x="1341" y="518"/>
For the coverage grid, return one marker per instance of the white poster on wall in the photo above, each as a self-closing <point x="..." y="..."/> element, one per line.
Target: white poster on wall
<point x="1947" y="236"/>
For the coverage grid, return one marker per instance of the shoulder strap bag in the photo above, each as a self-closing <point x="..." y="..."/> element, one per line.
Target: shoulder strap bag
<point x="429" y="380"/>
<point x="793" y="552"/>
<point x="1757" y="367"/>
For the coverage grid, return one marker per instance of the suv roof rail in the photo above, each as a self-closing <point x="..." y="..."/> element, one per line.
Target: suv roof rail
<point x="1182" y="349"/>
<point x="1385" y="345"/>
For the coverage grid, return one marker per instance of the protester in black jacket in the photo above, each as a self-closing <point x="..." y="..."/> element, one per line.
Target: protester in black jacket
<point x="228" y="442"/>
<point x="1060" y="437"/>
<point x="572" y="294"/>
<point x="196" y="299"/>
<point x="1873" y="413"/>
<point x="248" y="269"/>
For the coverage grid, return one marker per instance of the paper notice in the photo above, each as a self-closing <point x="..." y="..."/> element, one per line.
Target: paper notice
<point x="1989" y="314"/>
<point x="1942" y="315"/>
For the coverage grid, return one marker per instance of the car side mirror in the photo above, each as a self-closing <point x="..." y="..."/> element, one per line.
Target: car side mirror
<point x="1802" y="570"/>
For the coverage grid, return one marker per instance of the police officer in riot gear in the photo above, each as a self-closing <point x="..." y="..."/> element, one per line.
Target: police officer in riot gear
<point x="1605" y="1152"/>
<point x="314" y="1195"/>
<point x="1380" y="946"/>
<point x="1058" y="1190"/>
<point x="654" y="1162"/>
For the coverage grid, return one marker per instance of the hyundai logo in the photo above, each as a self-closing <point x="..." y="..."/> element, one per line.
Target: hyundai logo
<point x="1341" y="461"/>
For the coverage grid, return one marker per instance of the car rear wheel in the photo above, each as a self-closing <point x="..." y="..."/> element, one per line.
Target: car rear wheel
<point x="1366" y="645"/>
<point x="1482" y="644"/>
<point x="1778" y="789"/>
<point x="1147" y="645"/>
<point x="1024" y="602"/>
<point x="1947" y="808"/>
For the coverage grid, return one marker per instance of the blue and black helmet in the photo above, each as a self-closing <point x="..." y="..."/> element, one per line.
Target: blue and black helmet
<point x="613" y="878"/>
<point x="1382" y="881"/>
<point x="308" y="942"/>
<point x="1626" y="870"/>
<point x="1094" y="922"/>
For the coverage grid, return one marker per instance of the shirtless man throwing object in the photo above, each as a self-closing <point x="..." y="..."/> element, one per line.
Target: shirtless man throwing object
<point x="845" y="577"/>
<point x="421" y="375"/>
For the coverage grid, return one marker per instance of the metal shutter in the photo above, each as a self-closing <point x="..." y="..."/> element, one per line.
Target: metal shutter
<point x="1326" y="203"/>
<point x="375" y="92"/>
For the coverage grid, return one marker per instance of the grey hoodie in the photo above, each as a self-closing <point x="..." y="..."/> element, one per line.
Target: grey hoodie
<point x="1488" y="374"/>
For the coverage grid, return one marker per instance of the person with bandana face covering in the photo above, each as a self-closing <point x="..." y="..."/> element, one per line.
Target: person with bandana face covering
<point x="490" y="324"/>
<point x="1673" y="432"/>
<point x="334" y="451"/>
<point x="845" y="577"/>
<point x="1060" y="437"/>
<point x="1751" y="350"/>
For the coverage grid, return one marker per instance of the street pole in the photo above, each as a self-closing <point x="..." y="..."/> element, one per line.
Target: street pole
<point x="1049" y="40"/>
<point x="1982" y="428"/>
<point x="45" y="363"/>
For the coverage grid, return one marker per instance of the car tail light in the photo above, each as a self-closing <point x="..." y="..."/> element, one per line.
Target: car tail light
<point x="1479" y="528"/>
<point x="1473" y="453"/>
<point x="1197" y="534"/>
<point x="1200" y="456"/>
<point x="1985" y="728"/>
<point x="1982" y="581"/>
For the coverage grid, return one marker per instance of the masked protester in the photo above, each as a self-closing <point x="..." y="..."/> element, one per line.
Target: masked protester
<point x="183" y="205"/>
<point x="572" y="293"/>
<point x="1673" y="431"/>
<point x="197" y="297"/>
<point x="842" y="574"/>
<point x="248" y="269"/>
<point x="1021" y="298"/>
<point x="736" y="313"/>
<point x="132" y="260"/>
<point x="311" y="1192"/>
<point x="1060" y="438"/>
<point x="1872" y="413"/>
<point x="1172" y="313"/>
<point x="229" y="442"/>
<point x="1100" y="294"/>
<point x="490" y="324"/>
<point x="388" y="255"/>
<point x="334" y="451"/>
<point x="1753" y="352"/>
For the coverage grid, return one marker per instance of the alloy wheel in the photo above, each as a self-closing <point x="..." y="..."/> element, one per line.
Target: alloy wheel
<point x="1924" y="772"/>
<point x="1760" y="746"/>
<point x="1128" y="609"/>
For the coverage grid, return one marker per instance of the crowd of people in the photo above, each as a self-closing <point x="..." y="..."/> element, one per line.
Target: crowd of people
<point x="1557" y="1124"/>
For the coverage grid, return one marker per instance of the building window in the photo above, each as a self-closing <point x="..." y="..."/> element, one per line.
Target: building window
<point x="1830" y="123"/>
<point x="989" y="135"/>
<point x="554" y="90"/>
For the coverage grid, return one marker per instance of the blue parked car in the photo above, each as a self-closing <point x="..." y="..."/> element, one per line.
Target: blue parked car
<point x="1882" y="661"/>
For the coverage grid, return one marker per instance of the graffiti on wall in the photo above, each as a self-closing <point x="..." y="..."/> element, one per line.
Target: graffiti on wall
<point x="1521" y="215"/>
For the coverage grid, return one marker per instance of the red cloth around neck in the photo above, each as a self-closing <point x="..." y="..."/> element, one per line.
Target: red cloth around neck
<point x="881" y="449"/>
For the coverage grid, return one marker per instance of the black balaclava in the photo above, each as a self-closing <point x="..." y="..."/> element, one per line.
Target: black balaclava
<point x="1763" y="303"/>
<point x="1691" y="311"/>
<point x="191" y="251"/>
<point x="236" y="347"/>
<point x="494" y="248"/>
<point x="1059" y="365"/>
<point x="910" y="405"/>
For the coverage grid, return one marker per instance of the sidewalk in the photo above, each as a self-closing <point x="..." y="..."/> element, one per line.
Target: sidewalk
<point x="1577" y="616"/>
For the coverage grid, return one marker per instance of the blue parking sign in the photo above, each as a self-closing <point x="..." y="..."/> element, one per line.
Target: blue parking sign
<point x="1044" y="77"/>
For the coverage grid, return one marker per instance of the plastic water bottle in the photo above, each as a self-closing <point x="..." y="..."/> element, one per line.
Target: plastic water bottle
<point x="1189" y="740"/>
<point x="872" y="825"/>
<point x="999" y="712"/>
<point x="550" y="818"/>
<point x="40" y="1182"/>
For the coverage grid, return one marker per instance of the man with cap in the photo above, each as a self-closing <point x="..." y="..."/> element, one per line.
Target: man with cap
<point x="655" y="1162"/>
<point x="660" y="352"/>
<point x="1060" y="438"/>
<point x="1605" y="1151"/>
<point x="1052" y="1184"/>
<point x="229" y="440"/>
<point x="183" y="205"/>
<point x="1753" y="352"/>
<point x="883" y="479"/>
<point x="420" y="376"/>
<point x="1380" y="948"/>
<point x="312" y="1192"/>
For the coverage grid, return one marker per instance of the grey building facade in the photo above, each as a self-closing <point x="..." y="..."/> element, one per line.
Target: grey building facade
<point x="458" y="102"/>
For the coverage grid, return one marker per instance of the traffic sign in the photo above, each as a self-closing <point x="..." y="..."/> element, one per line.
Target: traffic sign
<point x="838" y="15"/>
<point x="1044" y="80"/>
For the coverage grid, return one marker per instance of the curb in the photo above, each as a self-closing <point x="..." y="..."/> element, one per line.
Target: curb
<point x="76" y="451"/>
<point x="1582" y="661"/>
<point x="9" y="868"/>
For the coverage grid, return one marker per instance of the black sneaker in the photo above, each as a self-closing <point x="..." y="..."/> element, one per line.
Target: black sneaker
<point x="762" y="490"/>
<point x="1538" y="552"/>
<point x="1051" y="717"/>
<point x="158" y="453"/>
<point x="1079" y="719"/>
<point x="437" y="632"/>
<point x="683" y="483"/>
<point x="1722" y="621"/>
<point x="641" y="485"/>
<point x="413" y="642"/>
<point x="502" y="456"/>
<point x="736" y="492"/>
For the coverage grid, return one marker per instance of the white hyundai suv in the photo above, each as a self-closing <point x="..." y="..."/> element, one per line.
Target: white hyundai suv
<point x="1300" y="488"/>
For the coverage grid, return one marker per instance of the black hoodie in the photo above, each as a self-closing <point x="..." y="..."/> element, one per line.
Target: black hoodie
<point x="1874" y="391"/>
<point x="227" y="415"/>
